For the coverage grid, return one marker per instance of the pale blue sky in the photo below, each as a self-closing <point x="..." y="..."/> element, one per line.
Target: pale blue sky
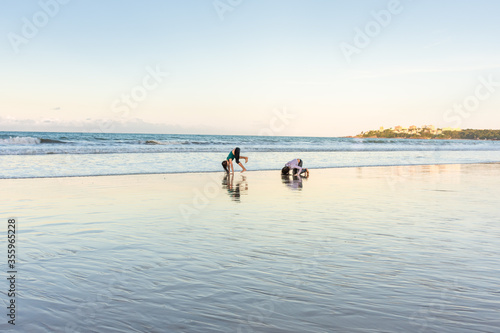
<point x="234" y="72"/>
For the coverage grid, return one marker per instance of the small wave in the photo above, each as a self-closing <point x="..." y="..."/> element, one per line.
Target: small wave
<point x="20" y="140"/>
<point x="50" y="141"/>
<point x="378" y="141"/>
<point x="187" y="142"/>
<point x="196" y="143"/>
<point x="154" y="142"/>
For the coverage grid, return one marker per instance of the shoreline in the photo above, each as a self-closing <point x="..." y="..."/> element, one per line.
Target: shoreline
<point x="247" y="172"/>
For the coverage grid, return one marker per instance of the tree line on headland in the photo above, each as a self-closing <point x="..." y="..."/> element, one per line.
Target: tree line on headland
<point x="466" y="134"/>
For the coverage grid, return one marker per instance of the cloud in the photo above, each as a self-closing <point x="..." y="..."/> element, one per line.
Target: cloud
<point x="134" y="125"/>
<point x="308" y="83"/>
<point x="87" y="125"/>
<point x="434" y="44"/>
<point x="390" y="72"/>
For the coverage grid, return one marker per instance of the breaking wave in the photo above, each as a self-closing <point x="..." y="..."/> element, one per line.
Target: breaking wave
<point x="27" y="140"/>
<point x="20" y="140"/>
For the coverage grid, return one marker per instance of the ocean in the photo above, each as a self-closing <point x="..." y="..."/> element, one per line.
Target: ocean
<point x="51" y="154"/>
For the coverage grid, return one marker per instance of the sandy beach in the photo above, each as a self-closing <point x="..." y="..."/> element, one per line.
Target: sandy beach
<point x="369" y="249"/>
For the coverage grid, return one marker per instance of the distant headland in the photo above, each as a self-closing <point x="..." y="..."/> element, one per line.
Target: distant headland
<point x="431" y="132"/>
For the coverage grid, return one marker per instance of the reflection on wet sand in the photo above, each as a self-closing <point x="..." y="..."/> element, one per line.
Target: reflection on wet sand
<point x="294" y="182"/>
<point x="346" y="254"/>
<point x="234" y="190"/>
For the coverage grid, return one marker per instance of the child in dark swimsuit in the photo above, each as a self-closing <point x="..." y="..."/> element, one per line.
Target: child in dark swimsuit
<point x="234" y="155"/>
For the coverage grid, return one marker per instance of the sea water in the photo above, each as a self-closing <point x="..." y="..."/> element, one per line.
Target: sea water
<point x="50" y="154"/>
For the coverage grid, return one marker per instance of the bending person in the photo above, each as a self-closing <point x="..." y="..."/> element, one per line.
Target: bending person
<point x="296" y="167"/>
<point x="234" y="155"/>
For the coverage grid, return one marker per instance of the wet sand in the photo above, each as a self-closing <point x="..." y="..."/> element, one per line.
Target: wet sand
<point x="378" y="249"/>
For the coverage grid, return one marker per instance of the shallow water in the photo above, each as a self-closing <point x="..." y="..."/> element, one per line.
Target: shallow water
<point x="44" y="154"/>
<point x="34" y="166"/>
<point x="384" y="249"/>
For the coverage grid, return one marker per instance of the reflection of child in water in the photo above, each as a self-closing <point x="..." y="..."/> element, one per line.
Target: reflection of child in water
<point x="294" y="182"/>
<point x="296" y="167"/>
<point x="234" y="190"/>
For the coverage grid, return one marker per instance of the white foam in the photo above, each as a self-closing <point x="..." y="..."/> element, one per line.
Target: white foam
<point x="20" y="140"/>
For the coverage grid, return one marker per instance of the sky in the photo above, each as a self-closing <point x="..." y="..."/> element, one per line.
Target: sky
<point x="248" y="67"/>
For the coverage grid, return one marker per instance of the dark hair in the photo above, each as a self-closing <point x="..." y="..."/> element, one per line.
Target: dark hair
<point x="237" y="155"/>
<point x="300" y="163"/>
<point x="285" y="170"/>
<point x="224" y="165"/>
